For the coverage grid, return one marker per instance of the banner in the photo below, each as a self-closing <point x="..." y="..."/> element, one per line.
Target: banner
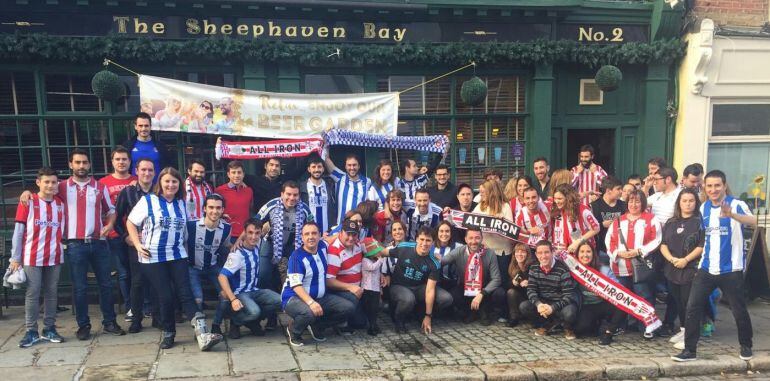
<point x="181" y="106"/>
<point x="267" y="149"/>
<point x="487" y="224"/>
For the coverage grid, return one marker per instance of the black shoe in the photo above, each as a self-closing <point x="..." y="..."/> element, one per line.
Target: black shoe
<point x="235" y="331"/>
<point x="371" y="331"/>
<point x="272" y="322"/>
<point x="376" y="329"/>
<point x="135" y="327"/>
<point x="295" y="340"/>
<point x="401" y="328"/>
<point x="605" y="338"/>
<point x="61" y="309"/>
<point x="114" y="328"/>
<point x="317" y="333"/>
<point x="746" y="353"/>
<point x="84" y="332"/>
<point x="255" y="328"/>
<point x="215" y="328"/>
<point x="684" y="356"/>
<point x="345" y="331"/>
<point x="513" y="322"/>
<point x="664" y="331"/>
<point x="486" y="321"/>
<point x="168" y="340"/>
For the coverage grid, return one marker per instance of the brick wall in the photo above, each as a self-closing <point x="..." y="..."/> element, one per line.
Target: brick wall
<point x="733" y="12"/>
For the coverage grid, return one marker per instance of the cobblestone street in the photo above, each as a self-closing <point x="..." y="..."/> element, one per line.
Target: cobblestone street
<point x="454" y="351"/>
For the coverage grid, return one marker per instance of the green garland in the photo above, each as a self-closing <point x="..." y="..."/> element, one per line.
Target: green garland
<point x="25" y="48"/>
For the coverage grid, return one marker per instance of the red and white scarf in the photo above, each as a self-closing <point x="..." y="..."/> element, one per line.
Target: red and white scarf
<point x="474" y="271"/>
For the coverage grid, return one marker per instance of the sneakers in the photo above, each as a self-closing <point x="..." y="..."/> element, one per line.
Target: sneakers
<point x="648" y="335"/>
<point x="114" y="329"/>
<point x="84" y="332"/>
<point x="678" y="337"/>
<point x="294" y="339"/>
<point x="569" y="334"/>
<point x="401" y="328"/>
<point x="345" y="331"/>
<point x="746" y="353"/>
<point x="664" y="331"/>
<point x="502" y="320"/>
<point x="272" y="322"/>
<point x="135" y="327"/>
<point x="216" y="328"/>
<point x="542" y="331"/>
<point x="255" y="328"/>
<point x="317" y="333"/>
<point x="168" y="340"/>
<point x="29" y="339"/>
<point x="205" y="339"/>
<point x="235" y="331"/>
<point x="605" y="338"/>
<point x="513" y="322"/>
<point x="684" y="356"/>
<point x="129" y="316"/>
<point x="51" y="335"/>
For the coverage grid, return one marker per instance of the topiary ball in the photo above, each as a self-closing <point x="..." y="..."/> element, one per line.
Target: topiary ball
<point x="107" y="86"/>
<point x="608" y="78"/>
<point x="473" y="91"/>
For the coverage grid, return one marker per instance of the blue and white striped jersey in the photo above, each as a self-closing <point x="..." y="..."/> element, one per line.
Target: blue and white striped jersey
<point x="164" y="227"/>
<point x="307" y="270"/>
<point x="415" y="220"/>
<point x="242" y="269"/>
<point x="379" y="193"/>
<point x="204" y="244"/>
<point x="410" y="187"/>
<point x="318" y="202"/>
<point x="723" y="251"/>
<point x="350" y="192"/>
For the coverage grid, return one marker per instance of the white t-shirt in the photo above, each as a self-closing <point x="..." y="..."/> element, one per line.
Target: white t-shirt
<point x="662" y="204"/>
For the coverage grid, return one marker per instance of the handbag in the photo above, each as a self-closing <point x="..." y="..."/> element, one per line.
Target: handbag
<point x="643" y="267"/>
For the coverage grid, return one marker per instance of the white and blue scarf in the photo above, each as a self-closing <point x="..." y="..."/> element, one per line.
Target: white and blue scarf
<point x="432" y="143"/>
<point x="275" y="211"/>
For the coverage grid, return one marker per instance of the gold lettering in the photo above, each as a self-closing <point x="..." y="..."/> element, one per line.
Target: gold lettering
<point x="122" y="22"/>
<point x="192" y="26"/>
<point x="139" y="27"/>
<point x="291" y="31"/>
<point x="343" y="124"/>
<point x="158" y="28"/>
<point x="209" y="28"/>
<point x="369" y="30"/>
<point x="385" y="33"/>
<point x="257" y="30"/>
<point x="299" y="123"/>
<point x="242" y="30"/>
<point x="307" y="31"/>
<point x="275" y="30"/>
<point x="356" y="125"/>
<point x="399" y="34"/>
<point x="323" y="32"/>
<point x="339" y="32"/>
<point x="315" y="123"/>
<point x="263" y="121"/>
<point x="227" y="29"/>
<point x="379" y="127"/>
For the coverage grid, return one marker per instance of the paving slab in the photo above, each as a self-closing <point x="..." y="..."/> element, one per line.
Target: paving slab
<point x="507" y="372"/>
<point x="349" y="375"/>
<point x="17" y="357"/>
<point x="272" y="356"/>
<point x="147" y="336"/>
<point x="46" y="373"/>
<point x="192" y="364"/>
<point x="630" y="368"/>
<point x="62" y="356"/>
<point x="565" y="370"/>
<point x="714" y="364"/>
<point x="760" y="362"/>
<point x="321" y="357"/>
<point x="133" y="372"/>
<point x="122" y="354"/>
<point x="458" y="373"/>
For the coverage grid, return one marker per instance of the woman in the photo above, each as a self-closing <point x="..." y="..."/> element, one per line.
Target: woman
<point x="635" y="234"/>
<point x="560" y="176"/>
<point x="519" y="272"/>
<point x="572" y="223"/>
<point x="682" y="245"/>
<point x="382" y="183"/>
<point x="162" y="217"/>
<point x="383" y="219"/>
<point x="398" y="234"/>
<point x="493" y="204"/>
<point x="514" y="191"/>
<point x="594" y="310"/>
<point x="444" y="245"/>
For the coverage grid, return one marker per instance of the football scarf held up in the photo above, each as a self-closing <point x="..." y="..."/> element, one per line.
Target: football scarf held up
<point x="474" y="272"/>
<point x="487" y="224"/>
<point x="433" y="143"/>
<point x="267" y="149"/>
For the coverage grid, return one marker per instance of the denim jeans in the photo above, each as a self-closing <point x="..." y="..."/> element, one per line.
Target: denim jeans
<point x="257" y="305"/>
<point x="266" y="267"/>
<point x="119" y="251"/>
<point x="404" y="299"/>
<point x="211" y="274"/>
<point x="358" y="318"/>
<point x="336" y="310"/>
<point x="80" y="256"/>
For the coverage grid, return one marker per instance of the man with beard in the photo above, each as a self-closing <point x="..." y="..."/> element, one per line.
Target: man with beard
<point x="268" y="186"/>
<point x="421" y="213"/>
<point x="444" y="193"/>
<point x="413" y="178"/>
<point x="225" y="125"/>
<point x="196" y="189"/>
<point x="466" y="204"/>
<point x="143" y="146"/>
<point x="587" y="176"/>
<point x="542" y="171"/>
<point x="352" y="186"/>
<point x="318" y="193"/>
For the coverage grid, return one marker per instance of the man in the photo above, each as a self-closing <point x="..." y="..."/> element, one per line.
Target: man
<point x="414" y="279"/>
<point x="268" y="186"/>
<point x="533" y="218"/>
<point x="286" y="214"/>
<point x="319" y="195"/>
<point x="653" y="166"/>
<point x="587" y="176"/>
<point x="414" y="178"/>
<point x="721" y="265"/>
<point x="207" y="240"/>
<point x="144" y="146"/>
<point x="542" y="171"/>
<point x="627" y="190"/>
<point x="238" y="281"/>
<point x="304" y="296"/>
<point x="90" y="217"/>
<point x="343" y="276"/>
<point x="466" y="204"/>
<point x="238" y="198"/>
<point x="607" y="209"/>
<point x="421" y="213"/>
<point x="551" y="294"/>
<point x="635" y="180"/>
<point x="225" y="125"/>
<point x="352" y="187"/>
<point x="37" y="248"/>
<point x="127" y="199"/>
<point x="663" y="202"/>
<point x="478" y="285"/>
<point x="115" y="182"/>
<point x="692" y="177"/>
<point x="444" y="193"/>
<point x="196" y="189"/>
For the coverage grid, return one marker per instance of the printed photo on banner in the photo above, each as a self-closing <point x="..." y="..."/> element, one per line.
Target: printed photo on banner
<point x="181" y="106"/>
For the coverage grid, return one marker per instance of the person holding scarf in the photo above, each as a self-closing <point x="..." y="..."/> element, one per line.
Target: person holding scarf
<point x="635" y="234"/>
<point x="533" y="218"/>
<point x="594" y="310"/>
<point x="478" y="282"/>
<point x="382" y="183"/>
<point x="519" y="273"/>
<point x="572" y="223"/>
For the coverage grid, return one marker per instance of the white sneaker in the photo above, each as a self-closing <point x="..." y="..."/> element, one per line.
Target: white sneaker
<point x="678" y="337"/>
<point x="679" y="345"/>
<point x="502" y="320"/>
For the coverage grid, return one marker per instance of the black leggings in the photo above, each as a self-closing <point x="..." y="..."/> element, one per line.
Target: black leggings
<point x="139" y="284"/>
<point x="681" y="293"/>
<point x="370" y="302"/>
<point x="591" y="316"/>
<point x="168" y="278"/>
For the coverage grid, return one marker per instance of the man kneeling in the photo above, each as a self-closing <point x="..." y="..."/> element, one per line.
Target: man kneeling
<point x="551" y="294"/>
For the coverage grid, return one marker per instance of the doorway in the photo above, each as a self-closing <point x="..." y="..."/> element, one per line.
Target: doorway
<point x="603" y="141"/>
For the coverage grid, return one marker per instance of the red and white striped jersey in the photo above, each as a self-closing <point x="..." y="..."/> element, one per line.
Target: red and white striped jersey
<point x="516" y="205"/>
<point x="114" y="186"/>
<point x="587" y="181"/>
<point x="563" y="230"/>
<point x="539" y="218"/>
<point x="344" y="264"/>
<point x="195" y="197"/>
<point x="644" y="233"/>
<point x="86" y="206"/>
<point x="43" y="222"/>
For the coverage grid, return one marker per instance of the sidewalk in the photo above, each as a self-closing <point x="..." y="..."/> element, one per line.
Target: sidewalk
<point x="453" y="351"/>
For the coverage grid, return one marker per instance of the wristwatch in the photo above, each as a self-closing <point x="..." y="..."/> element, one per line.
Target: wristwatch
<point x="428" y="315"/>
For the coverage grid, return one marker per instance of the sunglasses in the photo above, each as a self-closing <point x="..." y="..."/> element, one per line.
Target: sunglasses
<point x="205" y="107"/>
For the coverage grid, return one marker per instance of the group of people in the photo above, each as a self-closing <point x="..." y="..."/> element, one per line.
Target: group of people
<point x="331" y="251"/>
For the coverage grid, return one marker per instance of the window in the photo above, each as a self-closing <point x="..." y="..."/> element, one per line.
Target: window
<point x="590" y="94"/>
<point x="741" y="119"/>
<point x="70" y="93"/>
<point x="333" y="84"/>
<point x="17" y="93"/>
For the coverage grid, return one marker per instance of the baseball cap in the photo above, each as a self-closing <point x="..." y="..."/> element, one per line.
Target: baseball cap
<point x="350" y="226"/>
